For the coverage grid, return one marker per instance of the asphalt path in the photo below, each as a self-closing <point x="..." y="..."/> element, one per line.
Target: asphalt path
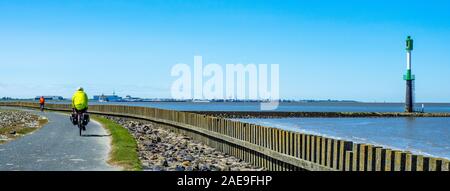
<point x="57" y="146"/>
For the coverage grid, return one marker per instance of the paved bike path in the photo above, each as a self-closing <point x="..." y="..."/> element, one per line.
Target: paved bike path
<point x="58" y="147"/>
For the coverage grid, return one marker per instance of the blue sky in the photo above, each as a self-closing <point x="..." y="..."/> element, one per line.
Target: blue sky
<point x="325" y="49"/>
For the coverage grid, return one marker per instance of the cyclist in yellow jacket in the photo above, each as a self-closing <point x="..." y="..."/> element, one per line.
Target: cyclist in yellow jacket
<point x="79" y="108"/>
<point x="80" y="100"/>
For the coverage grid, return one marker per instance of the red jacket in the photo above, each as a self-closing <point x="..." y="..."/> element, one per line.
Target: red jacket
<point x="42" y="100"/>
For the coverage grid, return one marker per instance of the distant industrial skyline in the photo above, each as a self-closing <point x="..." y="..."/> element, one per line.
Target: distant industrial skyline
<point x="340" y="50"/>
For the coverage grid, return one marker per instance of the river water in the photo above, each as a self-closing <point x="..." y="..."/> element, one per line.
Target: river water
<point x="307" y="106"/>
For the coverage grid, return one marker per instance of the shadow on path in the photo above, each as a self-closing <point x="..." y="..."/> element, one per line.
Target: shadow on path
<point x="93" y="135"/>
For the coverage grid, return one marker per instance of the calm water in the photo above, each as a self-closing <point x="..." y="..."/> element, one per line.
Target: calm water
<point x="318" y="106"/>
<point x="429" y="136"/>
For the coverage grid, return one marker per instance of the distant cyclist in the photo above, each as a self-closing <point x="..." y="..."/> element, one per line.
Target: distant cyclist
<point x="42" y="103"/>
<point x="80" y="104"/>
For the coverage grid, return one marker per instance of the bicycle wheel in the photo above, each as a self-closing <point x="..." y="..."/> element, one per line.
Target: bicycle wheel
<point x="80" y="124"/>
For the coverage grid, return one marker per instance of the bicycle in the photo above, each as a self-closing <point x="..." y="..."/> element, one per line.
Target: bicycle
<point x="80" y="119"/>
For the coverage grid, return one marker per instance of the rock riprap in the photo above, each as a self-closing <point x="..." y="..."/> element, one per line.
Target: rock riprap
<point x="18" y="118"/>
<point x="163" y="150"/>
<point x="13" y="123"/>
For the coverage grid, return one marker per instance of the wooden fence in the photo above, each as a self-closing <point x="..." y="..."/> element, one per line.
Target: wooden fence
<point x="272" y="148"/>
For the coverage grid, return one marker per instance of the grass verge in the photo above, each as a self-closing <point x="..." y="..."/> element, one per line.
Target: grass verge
<point x="123" y="145"/>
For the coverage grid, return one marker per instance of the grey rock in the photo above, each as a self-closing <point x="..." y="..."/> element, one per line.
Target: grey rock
<point x="179" y="168"/>
<point x="225" y="168"/>
<point x="189" y="158"/>
<point x="213" y="167"/>
<point x="158" y="168"/>
<point x="235" y="169"/>
<point x="164" y="163"/>
<point x="202" y="167"/>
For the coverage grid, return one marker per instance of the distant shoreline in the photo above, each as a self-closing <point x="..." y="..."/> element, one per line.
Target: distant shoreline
<point x="282" y="114"/>
<point x="203" y="102"/>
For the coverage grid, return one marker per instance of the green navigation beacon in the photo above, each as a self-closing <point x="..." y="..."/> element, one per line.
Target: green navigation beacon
<point x="409" y="43"/>
<point x="409" y="102"/>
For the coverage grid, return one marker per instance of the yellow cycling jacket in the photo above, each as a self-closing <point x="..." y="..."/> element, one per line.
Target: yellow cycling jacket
<point x="79" y="100"/>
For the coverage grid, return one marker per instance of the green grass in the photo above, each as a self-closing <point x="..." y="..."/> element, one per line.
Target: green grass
<point x="26" y="130"/>
<point x="19" y="130"/>
<point x="5" y="130"/>
<point x="123" y="146"/>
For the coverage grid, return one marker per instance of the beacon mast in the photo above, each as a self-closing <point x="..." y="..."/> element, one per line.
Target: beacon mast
<point x="409" y="78"/>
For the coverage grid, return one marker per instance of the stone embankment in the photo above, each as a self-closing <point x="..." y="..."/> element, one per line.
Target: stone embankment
<point x="14" y="123"/>
<point x="162" y="150"/>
